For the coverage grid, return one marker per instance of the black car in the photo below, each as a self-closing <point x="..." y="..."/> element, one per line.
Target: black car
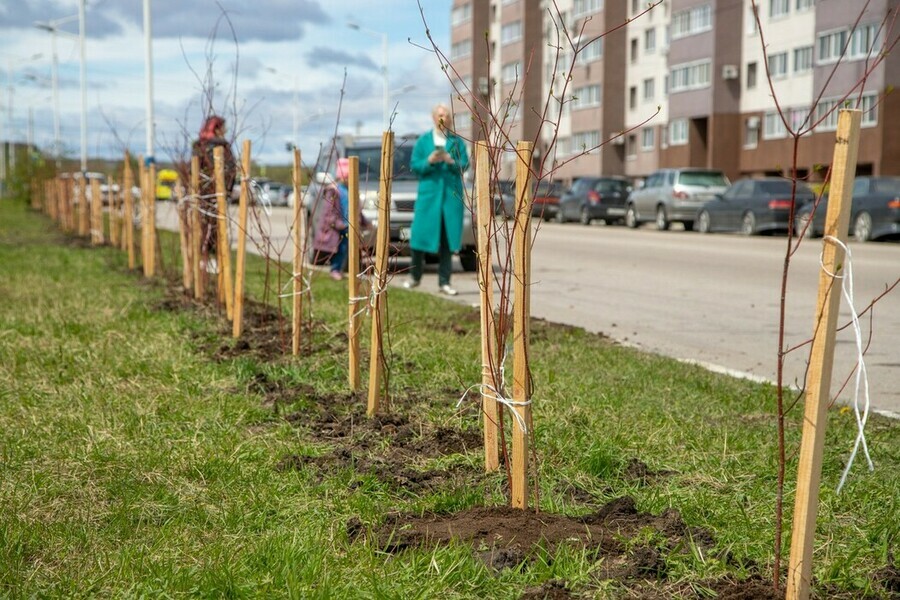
<point x="594" y="198"/>
<point x="753" y="206"/>
<point x="874" y="212"/>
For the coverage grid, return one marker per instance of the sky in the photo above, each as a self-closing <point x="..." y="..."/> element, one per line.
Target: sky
<point x="251" y="59"/>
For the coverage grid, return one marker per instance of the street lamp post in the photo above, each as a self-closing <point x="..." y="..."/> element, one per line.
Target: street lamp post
<point x="148" y="59"/>
<point x="83" y="53"/>
<point x="53" y="28"/>
<point x="386" y="93"/>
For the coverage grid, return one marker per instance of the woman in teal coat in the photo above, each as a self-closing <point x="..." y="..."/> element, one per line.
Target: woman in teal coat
<point x="439" y="158"/>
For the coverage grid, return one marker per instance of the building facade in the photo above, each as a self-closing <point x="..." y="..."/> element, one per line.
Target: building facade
<point x="623" y="87"/>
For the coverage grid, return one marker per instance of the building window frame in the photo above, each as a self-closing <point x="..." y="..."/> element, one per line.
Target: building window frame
<point x="778" y="65"/>
<point x="779" y="9"/>
<point x="696" y="75"/>
<point x="648" y="139"/>
<point x="691" y="21"/>
<point x="461" y="14"/>
<point x="773" y="126"/>
<point x="461" y="49"/>
<point x="511" y="72"/>
<point x="511" y="32"/>
<point x="678" y="132"/>
<point x="803" y="59"/>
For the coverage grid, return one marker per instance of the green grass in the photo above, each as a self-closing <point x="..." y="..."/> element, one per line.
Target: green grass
<point x="133" y="464"/>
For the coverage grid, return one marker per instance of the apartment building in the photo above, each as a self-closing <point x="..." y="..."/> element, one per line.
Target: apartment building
<point x="684" y="82"/>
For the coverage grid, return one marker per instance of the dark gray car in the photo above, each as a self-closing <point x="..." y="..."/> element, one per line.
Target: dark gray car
<point x="753" y="206"/>
<point x="674" y="196"/>
<point x="594" y="198"/>
<point x="874" y="212"/>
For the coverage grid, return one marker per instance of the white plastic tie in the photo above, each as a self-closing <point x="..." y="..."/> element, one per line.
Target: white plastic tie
<point x="304" y="289"/>
<point x="862" y="377"/>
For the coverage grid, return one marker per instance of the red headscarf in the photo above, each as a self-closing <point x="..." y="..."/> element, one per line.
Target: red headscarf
<point x="208" y="131"/>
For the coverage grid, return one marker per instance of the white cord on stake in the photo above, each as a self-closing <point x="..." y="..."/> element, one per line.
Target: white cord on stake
<point x="862" y="376"/>
<point x="304" y="290"/>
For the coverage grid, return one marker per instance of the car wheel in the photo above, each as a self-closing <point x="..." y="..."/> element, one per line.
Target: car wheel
<point x="748" y="224"/>
<point x="631" y="217"/>
<point x="585" y="218"/>
<point x="560" y="217"/>
<point x="703" y="222"/>
<point x="862" y="227"/>
<point x="468" y="258"/>
<point x="662" y="221"/>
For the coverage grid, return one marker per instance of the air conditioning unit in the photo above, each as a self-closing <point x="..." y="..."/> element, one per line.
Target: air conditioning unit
<point x="619" y="139"/>
<point x="752" y="122"/>
<point x="730" y="72"/>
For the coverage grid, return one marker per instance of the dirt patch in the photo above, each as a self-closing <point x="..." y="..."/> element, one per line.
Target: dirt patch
<point x="551" y="590"/>
<point x="638" y="470"/>
<point x="888" y="578"/>
<point x="390" y="470"/>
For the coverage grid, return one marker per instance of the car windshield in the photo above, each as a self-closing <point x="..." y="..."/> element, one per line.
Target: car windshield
<point x="703" y="178"/>
<point x="782" y="187"/>
<point x="890" y="186"/>
<point x="606" y="186"/>
<point x="370" y="162"/>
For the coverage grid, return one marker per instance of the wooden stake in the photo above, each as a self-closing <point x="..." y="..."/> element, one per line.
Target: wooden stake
<point x="489" y="358"/>
<point x="521" y="325"/>
<point x="127" y="184"/>
<point x="379" y="279"/>
<point x="142" y="177"/>
<point x="196" y="229"/>
<point x="354" y="232"/>
<point x="818" y="379"/>
<point x="242" y="242"/>
<point x="83" y="214"/>
<point x="184" y="240"/>
<point x="222" y="243"/>
<point x="115" y="230"/>
<point x="299" y="229"/>
<point x="151" y="220"/>
<point x="96" y="213"/>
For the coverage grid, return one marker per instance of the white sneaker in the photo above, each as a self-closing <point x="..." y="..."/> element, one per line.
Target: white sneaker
<point x="212" y="267"/>
<point x="411" y="283"/>
<point x="446" y="289"/>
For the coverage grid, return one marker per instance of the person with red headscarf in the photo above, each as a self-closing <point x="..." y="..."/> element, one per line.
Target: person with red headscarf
<point x="212" y="134"/>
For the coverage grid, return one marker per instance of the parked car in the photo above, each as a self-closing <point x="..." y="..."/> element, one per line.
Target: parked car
<point x="753" y="206"/>
<point x="594" y="198"/>
<point x="673" y="196"/>
<point x="404" y="189"/>
<point x="545" y="199"/>
<point x="271" y="193"/>
<point x="874" y="211"/>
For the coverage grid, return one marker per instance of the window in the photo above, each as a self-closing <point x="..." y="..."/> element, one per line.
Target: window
<point x="632" y="97"/>
<point x="870" y="109"/>
<point x="752" y="25"/>
<point x="590" y="52"/>
<point x="691" y="21"/>
<point x="586" y="7"/>
<point x="510" y="72"/>
<point x="751" y="132"/>
<point x="630" y="146"/>
<point x="636" y="7"/>
<point x="803" y="58"/>
<point x="798" y="118"/>
<point x="585" y="141"/>
<point x="751" y="75"/>
<point x="779" y="8"/>
<point x="678" y="132"/>
<point x="650" y="40"/>
<point x="585" y="97"/>
<point x="773" y="126"/>
<point x="804" y="4"/>
<point x="664" y="137"/>
<point x="689" y="77"/>
<point x="867" y="104"/>
<point x="634" y="50"/>
<point x="831" y="45"/>
<point x="648" y="138"/>
<point x="649" y="86"/>
<point x="778" y="65"/>
<point x="461" y="49"/>
<point x="461" y="14"/>
<point x="511" y="32"/>
<point x="863" y="41"/>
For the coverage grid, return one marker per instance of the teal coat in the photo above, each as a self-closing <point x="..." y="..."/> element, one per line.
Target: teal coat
<point x="440" y="195"/>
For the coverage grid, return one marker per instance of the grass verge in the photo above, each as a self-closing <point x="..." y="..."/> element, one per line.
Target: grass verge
<point x="144" y="453"/>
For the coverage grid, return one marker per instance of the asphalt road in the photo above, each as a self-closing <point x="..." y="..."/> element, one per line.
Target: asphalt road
<point x="712" y="299"/>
